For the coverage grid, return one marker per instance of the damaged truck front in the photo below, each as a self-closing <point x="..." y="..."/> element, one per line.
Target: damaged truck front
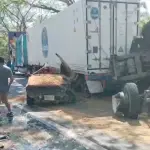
<point x="133" y="72"/>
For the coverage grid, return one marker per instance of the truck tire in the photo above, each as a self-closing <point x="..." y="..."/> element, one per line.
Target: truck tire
<point x="132" y="99"/>
<point x="30" y="101"/>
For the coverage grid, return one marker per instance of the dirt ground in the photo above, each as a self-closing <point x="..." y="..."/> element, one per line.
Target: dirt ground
<point x="19" y="99"/>
<point x="96" y="113"/>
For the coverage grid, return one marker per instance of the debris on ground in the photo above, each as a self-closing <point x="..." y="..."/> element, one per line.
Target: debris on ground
<point x="97" y="114"/>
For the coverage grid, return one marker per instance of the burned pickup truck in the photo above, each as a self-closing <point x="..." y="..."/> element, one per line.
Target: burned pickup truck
<point x="54" y="87"/>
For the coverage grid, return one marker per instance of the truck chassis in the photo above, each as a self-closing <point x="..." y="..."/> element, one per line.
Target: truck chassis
<point x="133" y="72"/>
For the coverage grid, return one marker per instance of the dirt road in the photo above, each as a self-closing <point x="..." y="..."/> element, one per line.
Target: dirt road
<point x="96" y="113"/>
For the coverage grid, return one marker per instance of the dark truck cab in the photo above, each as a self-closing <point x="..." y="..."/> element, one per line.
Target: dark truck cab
<point x="132" y="71"/>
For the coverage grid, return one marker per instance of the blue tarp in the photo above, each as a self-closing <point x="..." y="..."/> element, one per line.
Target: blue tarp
<point x="21" y="51"/>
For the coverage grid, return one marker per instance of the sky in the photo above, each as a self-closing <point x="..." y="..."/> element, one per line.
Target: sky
<point x="147" y="4"/>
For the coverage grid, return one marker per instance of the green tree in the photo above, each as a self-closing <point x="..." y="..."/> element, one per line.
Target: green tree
<point x="17" y="15"/>
<point x="143" y="21"/>
<point x="4" y="46"/>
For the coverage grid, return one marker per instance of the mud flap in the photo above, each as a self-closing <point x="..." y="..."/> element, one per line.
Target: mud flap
<point x="94" y="86"/>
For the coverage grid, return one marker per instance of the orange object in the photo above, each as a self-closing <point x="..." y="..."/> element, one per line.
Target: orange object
<point x="42" y="80"/>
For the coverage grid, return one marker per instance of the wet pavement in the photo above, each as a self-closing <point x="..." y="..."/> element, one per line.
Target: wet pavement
<point x="28" y="134"/>
<point x="18" y="87"/>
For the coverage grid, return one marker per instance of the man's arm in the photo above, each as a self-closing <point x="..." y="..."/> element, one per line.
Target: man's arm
<point x="11" y="81"/>
<point x="11" y="78"/>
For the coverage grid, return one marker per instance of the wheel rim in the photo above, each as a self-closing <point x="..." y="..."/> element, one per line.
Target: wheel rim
<point x="115" y="104"/>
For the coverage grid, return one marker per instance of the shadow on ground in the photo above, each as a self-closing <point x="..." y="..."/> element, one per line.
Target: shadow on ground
<point x="96" y="114"/>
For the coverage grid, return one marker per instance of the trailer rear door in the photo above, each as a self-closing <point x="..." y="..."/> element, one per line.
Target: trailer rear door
<point x="110" y="28"/>
<point x="93" y="52"/>
<point x="125" y="26"/>
<point x="98" y="35"/>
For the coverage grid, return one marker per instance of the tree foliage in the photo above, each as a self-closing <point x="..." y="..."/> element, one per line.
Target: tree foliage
<point x="3" y="46"/>
<point x="17" y="15"/>
<point x="143" y="21"/>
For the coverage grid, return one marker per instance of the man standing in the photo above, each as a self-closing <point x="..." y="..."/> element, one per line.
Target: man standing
<point x="5" y="75"/>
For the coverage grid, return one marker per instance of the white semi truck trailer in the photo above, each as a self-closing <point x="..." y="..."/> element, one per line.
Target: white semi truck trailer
<point x="86" y="35"/>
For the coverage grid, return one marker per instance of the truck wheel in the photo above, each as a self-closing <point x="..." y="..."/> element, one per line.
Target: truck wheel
<point x="132" y="100"/>
<point x="71" y="96"/>
<point x="30" y="101"/>
<point x="118" y="105"/>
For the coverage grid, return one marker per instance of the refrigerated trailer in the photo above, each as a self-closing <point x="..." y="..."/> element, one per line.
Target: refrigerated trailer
<point x="86" y="35"/>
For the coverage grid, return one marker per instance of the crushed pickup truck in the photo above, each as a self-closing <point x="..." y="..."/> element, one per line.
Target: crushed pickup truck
<point x="50" y="87"/>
